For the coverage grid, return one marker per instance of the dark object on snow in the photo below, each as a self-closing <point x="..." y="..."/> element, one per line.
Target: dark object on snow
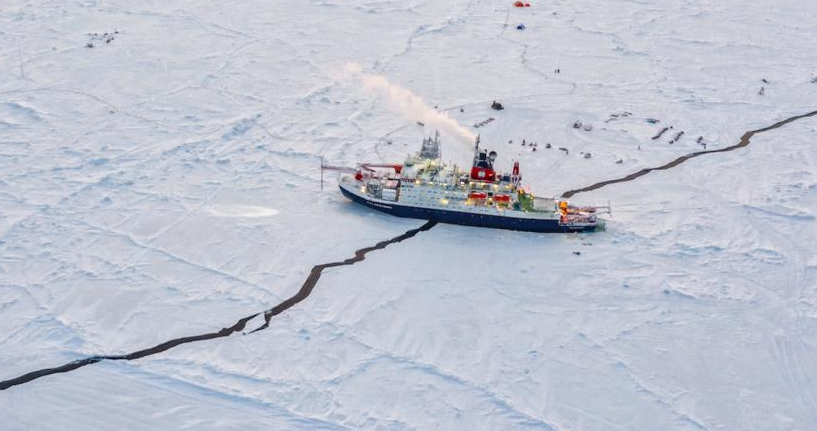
<point x="652" y="121"/>
<point x="814" y="80"/>
<point x="547" y="145"/>
<point x="558" y="70"/>
<point x="660" y="133"/>
<point x="462" y="110"/>
<point x="765" y="81"/>
<point x="577" y="253"/>
<point x="96" y="37"/>
<point x="520" y="27"/>
<point x="577" y="124"/>
<point x="762" y="91"/>
<point x="700" y="139"/>
<point x="565" y="150"/>
<point x="482" y="123"/>
<point x="677" y="137"/>
<point x="497" y="106"/>
<point x="619" y="161"/>
<point x="586" y="155"/>
<point x="534" y="149"/>
<point x="420" y="123"/>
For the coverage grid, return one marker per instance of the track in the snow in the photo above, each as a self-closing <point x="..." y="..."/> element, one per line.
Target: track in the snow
<point x="744" y="141"/>
<point x="302" y="294"/>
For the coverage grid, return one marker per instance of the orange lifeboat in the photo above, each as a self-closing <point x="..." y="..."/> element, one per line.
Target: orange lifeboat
<point x="477" y="195"/>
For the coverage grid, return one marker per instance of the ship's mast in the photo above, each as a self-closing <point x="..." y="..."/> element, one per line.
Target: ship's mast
<point x="430" y="148"/>
<point x="439" y="146"/>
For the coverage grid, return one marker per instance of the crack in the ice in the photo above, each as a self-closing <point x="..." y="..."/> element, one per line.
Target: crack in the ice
<point x="744" y="141"/>
<point x="317" y="270"/>
<point x="303" y="293"/>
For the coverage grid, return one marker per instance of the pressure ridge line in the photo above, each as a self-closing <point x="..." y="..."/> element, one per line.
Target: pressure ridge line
<point x="302" y="294"/>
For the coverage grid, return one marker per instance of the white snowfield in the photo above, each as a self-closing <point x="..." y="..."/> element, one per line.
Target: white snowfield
<point x="165" y="183"/>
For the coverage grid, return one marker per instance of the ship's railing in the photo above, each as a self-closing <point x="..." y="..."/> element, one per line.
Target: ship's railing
<point x="578" y="219"/>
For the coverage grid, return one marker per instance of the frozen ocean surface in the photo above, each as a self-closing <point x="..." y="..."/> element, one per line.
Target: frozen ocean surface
<point x="164" y="183"/>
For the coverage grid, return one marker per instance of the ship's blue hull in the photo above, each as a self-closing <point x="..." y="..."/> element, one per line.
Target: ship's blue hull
<point x="467" y="219"/>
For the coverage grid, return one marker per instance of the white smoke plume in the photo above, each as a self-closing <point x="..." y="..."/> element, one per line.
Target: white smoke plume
<point x="411" y="106"/>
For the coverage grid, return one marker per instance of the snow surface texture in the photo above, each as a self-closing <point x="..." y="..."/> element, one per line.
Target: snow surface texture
<point x="165" y="184"/>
